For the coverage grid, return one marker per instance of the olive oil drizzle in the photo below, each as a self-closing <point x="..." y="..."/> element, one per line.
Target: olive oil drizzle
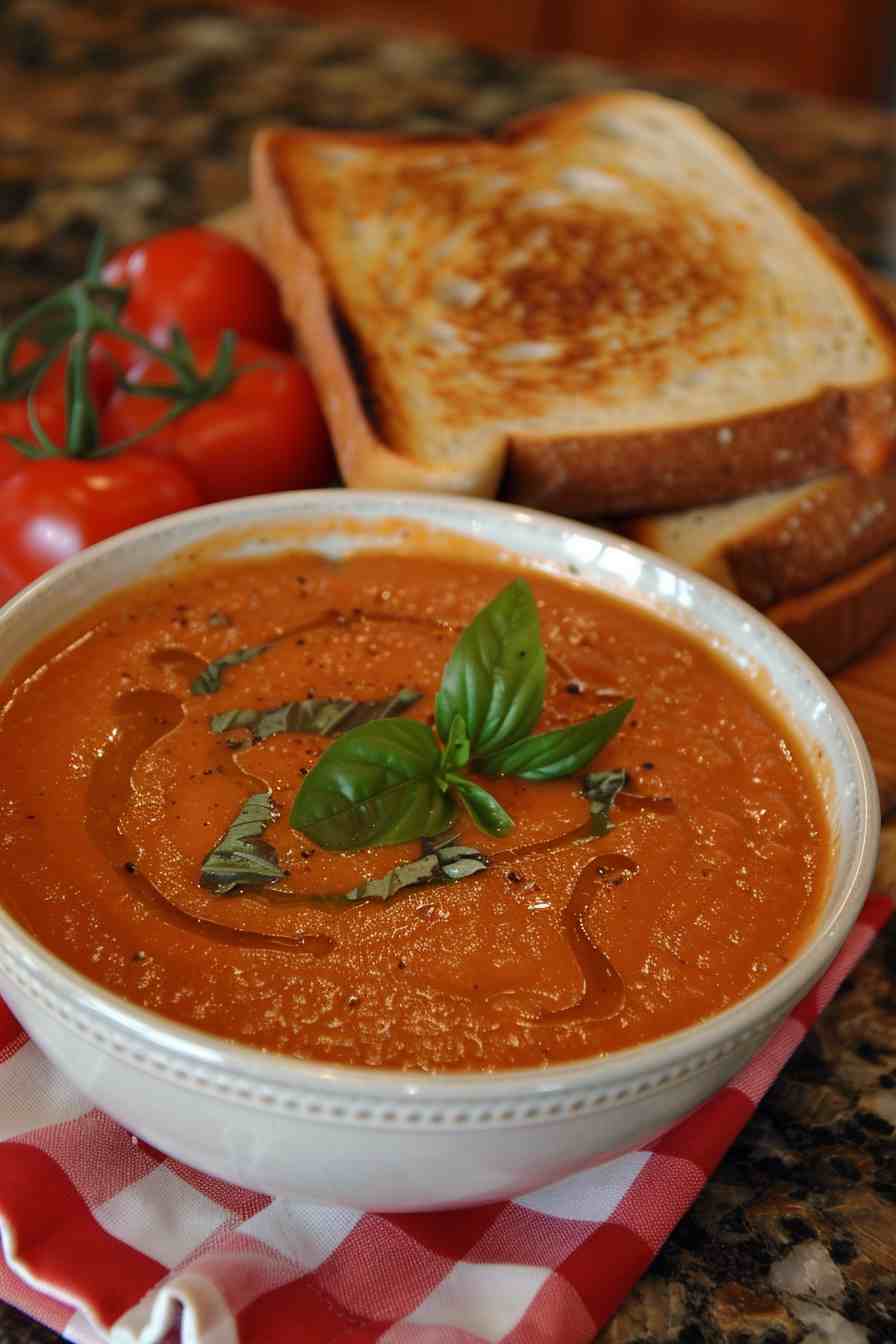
<point x="145" y="715"/>
<point x="142" y="717"/>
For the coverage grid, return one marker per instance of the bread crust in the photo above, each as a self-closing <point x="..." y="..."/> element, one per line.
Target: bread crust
<point x="365" y="461"/>
<point x="791" y="542"/>
<point x="875" y="714"/>
<point x="596" y="474"/>
<point x="885" y="877"/>
<point x="851" y="523"/>
<point x="836" y="623"/>
<point x="877" y="300"/>
<point x="239" y="224"/>
<point x="702" y="464"/>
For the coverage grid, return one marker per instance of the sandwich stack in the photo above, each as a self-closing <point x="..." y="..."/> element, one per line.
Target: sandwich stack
<point x="609" y="312"/>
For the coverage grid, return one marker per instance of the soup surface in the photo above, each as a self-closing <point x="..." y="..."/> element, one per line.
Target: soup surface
<point x="114" y="788"/>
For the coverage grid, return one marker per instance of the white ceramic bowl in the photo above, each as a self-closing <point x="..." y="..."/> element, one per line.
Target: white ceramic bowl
<point x="389" y="1140"/>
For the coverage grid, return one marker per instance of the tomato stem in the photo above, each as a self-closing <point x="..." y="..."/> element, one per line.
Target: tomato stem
<point x="69" y="320"/>
<point x="110" y="449"/>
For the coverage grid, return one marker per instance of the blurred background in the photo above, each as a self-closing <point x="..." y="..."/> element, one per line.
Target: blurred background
<point x="843" y="48"/>
<point x="138" y="115"/>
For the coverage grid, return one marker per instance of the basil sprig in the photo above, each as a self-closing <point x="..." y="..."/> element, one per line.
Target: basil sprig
<point x="562" y="752"/>
<point x="443" y="860"/>
<point x="209" y="680"/>
<point x="601" y="788"/>
<point x="315" y="714"/>
<point x="240" y="859"/>
<point x="496" y="676"/>
<point x="389" y="782"/>
<point x="377" y="785"/>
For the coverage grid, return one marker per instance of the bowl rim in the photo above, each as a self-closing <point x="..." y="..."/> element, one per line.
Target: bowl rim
<point x="76" y="993"/>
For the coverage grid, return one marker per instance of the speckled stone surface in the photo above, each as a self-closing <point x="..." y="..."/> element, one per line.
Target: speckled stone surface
<point x="138" y="116"/>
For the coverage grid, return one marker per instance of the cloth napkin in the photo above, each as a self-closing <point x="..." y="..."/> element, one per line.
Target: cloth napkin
<point x="106" y="1239"/>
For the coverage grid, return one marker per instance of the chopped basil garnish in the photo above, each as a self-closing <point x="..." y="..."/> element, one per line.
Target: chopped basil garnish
<point x="209" y="681"/>
<point x="326" y="717"/>
<point x="601" y="788"/>
<point x="444" y="861"/>
<point x="388" y="782"/>
<point x="240" y="859"/>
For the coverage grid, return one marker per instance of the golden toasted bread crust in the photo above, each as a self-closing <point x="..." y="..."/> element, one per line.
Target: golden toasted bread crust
<point x="877" y="298"/>
<point x="239" y="224"/>
<point x="885" y="877"/>
<point x="839" y="621"/>
<point x="590" y="474"/>
<point x="871" y="447"/>
<point x="365" y="462"/>
<point x="872" y="706"/>
<point x="852" y="522"/>
<point x="789" y="543"/>
<point x="701" y="464"/>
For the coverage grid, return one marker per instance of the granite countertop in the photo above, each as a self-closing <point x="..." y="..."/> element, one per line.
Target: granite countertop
<point x="138" y="116"/>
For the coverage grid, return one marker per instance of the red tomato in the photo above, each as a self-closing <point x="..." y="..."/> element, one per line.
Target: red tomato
<point x="49" y="401"/>
<point x="56" y="507"/>
<point x="11" y="460"/>
<point x="14" y="419"/>
<point x="264" y="433"/>
<point x="105" y="372"/>
<point x="200" y="281"/>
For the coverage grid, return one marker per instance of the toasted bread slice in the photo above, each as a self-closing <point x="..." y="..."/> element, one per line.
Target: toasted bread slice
<point x="840" y="620"/>
<point x="885" y="877"/>
<point x="364" y="460"/>
<point x="778" y="544"/>
<point x="875" y="714"/>
<point x="610" y="304"/>
<point x="239" y="224"/>
<point x="867" y="686"/>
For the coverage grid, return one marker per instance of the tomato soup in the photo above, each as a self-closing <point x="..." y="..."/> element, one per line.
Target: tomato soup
<point x="117" y="781"/>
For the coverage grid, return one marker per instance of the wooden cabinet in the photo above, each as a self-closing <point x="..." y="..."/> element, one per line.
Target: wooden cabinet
<point x="840" y="47"/>
<point x="827" y="46"/>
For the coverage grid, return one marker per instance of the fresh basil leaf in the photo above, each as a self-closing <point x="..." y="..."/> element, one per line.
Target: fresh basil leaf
<point x="601" y="789"/>
<point x="495" y="677"/>
<point x="486" y="811"/>
<point x="239" y="859"/>
<point x="209" y="681"/>
<point x="377" y="785"/>
<point x="561" y="752"/>
<point x="446" y="861"/>
<point x="327" y="717"/>
<point x="456" y="751"/>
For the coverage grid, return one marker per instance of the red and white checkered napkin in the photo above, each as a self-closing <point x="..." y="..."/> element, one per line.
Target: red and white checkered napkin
<point x="106" y="1239"/>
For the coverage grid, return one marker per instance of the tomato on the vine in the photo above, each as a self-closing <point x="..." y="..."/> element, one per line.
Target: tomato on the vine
<point x="263" y="433"/>
<point x="54" y="508"/>
<point x="200" y="281"/>
<point x="49" y="400"/>
<point x="224" y="415"/>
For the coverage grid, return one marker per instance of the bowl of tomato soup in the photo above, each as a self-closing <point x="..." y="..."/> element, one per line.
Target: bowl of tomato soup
<point x="404" y="852"/>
